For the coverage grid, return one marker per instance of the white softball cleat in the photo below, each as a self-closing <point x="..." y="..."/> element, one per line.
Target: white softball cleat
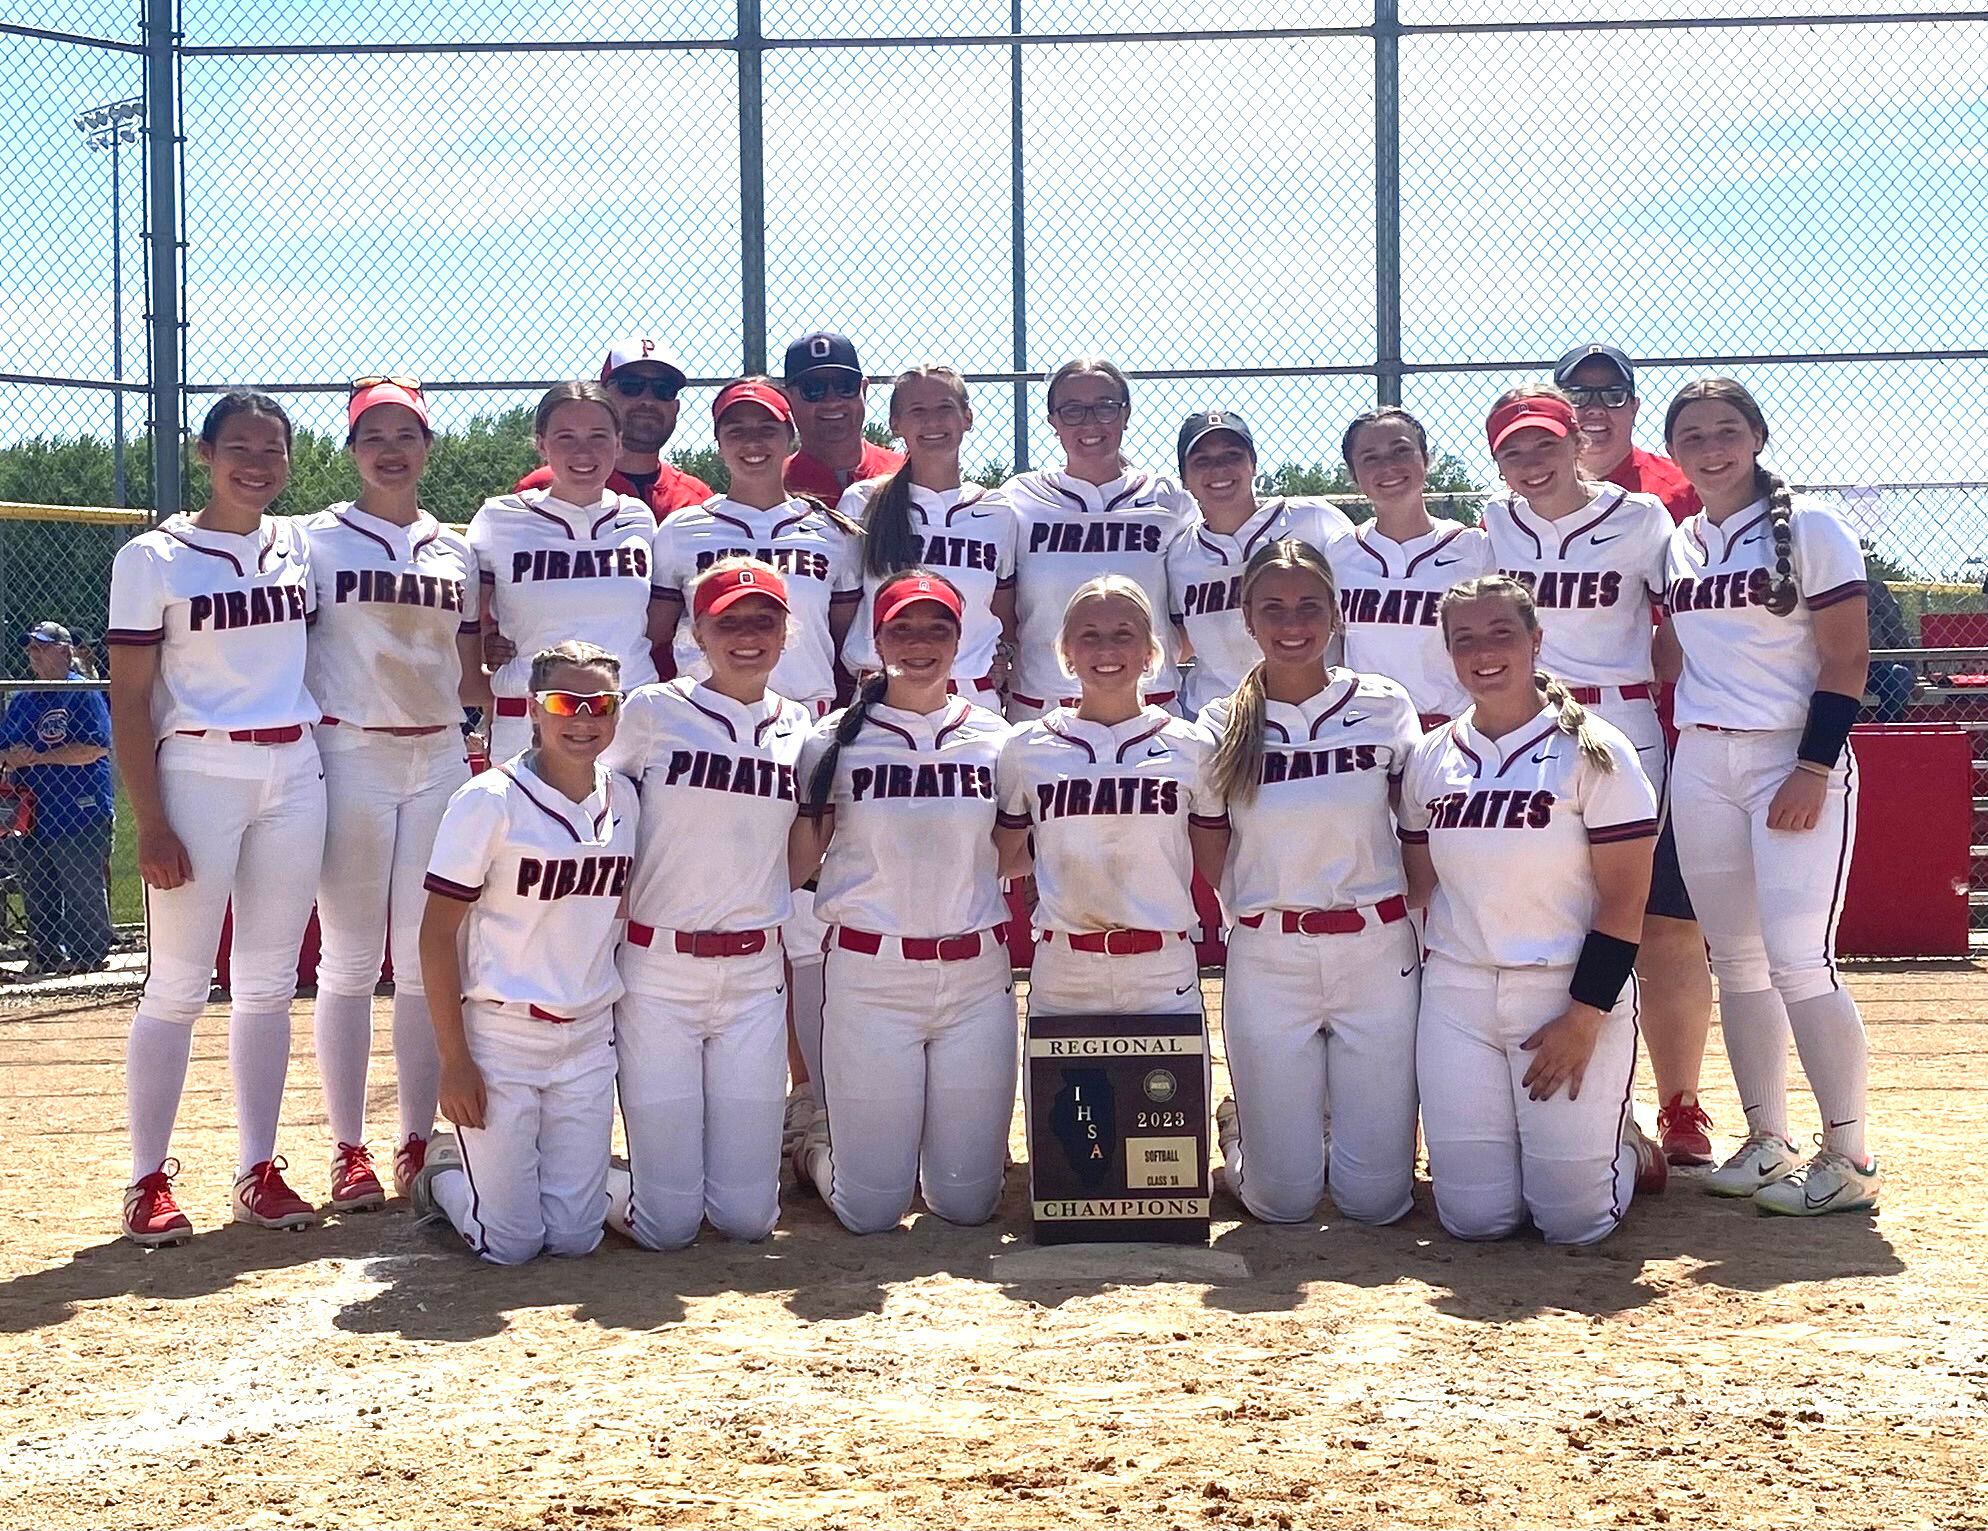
<point x="443" y="1154"/>
<point x="1762" y="1159"/>
<point x="809" y="1151"/>
<point x="1830" y="1182"/>
<point x="800" y="1112"/>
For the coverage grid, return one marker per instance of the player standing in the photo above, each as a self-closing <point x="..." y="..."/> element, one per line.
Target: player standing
<point x="526" y="891"/>
<point x="1322" y="982"/>
<point x="1601" y="382"/>
<point x="1095" y="515"/>
<point x="826" y="393"/>
<point x="644" y="380"/>
<point x="569" y="561"/>
<point x="917" y="1082"/>
<point x="1533" y="822"/>
<point x="1393" y="570"/>
<point x="392" y="661"/>
<point x="211" y="724"/>
<point x="1205" y="562"/>
<point x="1768" y="601"/>
<point x="925" y="515"/>
<point x="701" y="1031"/>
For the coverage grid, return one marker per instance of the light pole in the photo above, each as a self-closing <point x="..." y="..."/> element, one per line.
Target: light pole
<point x="106" y="129"/>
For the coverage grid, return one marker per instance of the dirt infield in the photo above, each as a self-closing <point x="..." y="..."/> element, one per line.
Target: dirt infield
<point x="1704" y="1368"/>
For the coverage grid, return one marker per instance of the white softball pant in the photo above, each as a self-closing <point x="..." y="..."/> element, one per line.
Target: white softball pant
<point x="1637" y="718"/>
<point x="384" y="797"/>
<point x="1311" y="1022"/>
<point x="508" y="737"/>
<point x="1768" y="899"/>
<point x="251" y="817"/>
<point x="1065" y="981"/>
<point x="702" y="1047"/>
<point x="1496" y="1155"/>
<point x="918" y="1081"/>
<point x="534" y="1175"/>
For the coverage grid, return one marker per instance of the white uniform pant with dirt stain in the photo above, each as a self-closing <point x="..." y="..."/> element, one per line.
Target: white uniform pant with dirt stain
<point x="1065" y="981"/>
<point x="1495" y="1154"/>
<point x="534" y="1175"/>
<point x="702" y="1047"/>
<point x="918" y="1081"/>
<point x="1312" y="1021"/>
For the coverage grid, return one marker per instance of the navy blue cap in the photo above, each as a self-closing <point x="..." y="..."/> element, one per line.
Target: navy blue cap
<point x="1207" y="422"/>
<point x="822" y="351"/>
<point x="1563" y="370"/>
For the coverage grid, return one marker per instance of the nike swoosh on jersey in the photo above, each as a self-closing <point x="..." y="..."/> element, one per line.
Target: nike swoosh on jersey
<point x="1358" y="717"/>
<point x="1542" y="757"/>
<point x="1747" y="542"/>
<point x="1441" y="563"/>
<point x="1156" y="752"/>
<point x="1595" y="542"/>
<point x="1407" y="970"/>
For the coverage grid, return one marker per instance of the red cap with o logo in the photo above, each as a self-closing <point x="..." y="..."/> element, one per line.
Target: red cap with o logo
<point x="1534" y="413"/>
<point x="908" y="590"/>
<point x="728" y="586"/>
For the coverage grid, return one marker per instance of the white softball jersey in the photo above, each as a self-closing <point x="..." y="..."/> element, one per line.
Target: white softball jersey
<point x="1388" y="592"/>
<point x="1508" y="823"/>
<point x="965" y="534"/>
<point x="547" y="876"/>
<point x="1319" y="833"/>
<point x="390" y="602"/>
<point x="1744" y="667"/>
<point x="1593" y="576"/>
<point x="719" y="794"/>
<point x="1067" y="533"/>
<point x="227" y="612"/>
<point x="821" y="562"/>
<point x="1204" y="587"/>
<point x="551" y="571"/>
<point x="1110" y="807"/>
<point x="914" y="805"/>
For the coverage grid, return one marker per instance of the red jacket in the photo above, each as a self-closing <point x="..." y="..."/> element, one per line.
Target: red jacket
<point x="810" y="475"/>
<point x="673" y="489"/>
<point x="1647" y="473"/>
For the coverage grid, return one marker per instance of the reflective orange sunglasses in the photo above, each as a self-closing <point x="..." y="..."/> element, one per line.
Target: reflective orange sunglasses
<point x="579" y="704"/>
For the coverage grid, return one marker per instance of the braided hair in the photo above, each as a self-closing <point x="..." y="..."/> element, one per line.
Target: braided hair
<point x="1570" y="716"/>
<point x="1782" y="590"/>
<point x="1238" y="761"/>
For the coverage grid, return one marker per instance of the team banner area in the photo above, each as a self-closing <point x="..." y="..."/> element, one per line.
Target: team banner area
<point x="1118" y="1129"/>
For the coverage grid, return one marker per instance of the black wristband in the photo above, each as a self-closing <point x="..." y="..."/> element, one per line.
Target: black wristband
<point x="1830" y="715"/>
<point x="1605" y="965"/>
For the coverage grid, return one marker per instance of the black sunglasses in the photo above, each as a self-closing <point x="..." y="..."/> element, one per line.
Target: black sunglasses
<point x="1614" y="396"/>
<point x="633" y="387"/>
<point x="815" y="389"/>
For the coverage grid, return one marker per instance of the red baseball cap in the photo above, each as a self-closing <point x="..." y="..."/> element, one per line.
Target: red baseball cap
<point x="752" y="391"/>
<point x="908" y="590"/>
<point x="728" y="586"/>
<point x="402" y="391"/>
<point x="1537" y="413"/>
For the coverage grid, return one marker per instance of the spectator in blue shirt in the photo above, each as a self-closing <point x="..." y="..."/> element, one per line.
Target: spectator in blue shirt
<point x="57" y="745"/>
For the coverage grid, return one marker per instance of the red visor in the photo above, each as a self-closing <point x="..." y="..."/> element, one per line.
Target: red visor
<point x="752" y="392"/>
<point x="389" y="391"/>
<point x="717" y="591"/>
<point x="909" y="590"/>
<point x="1554" y="416"/>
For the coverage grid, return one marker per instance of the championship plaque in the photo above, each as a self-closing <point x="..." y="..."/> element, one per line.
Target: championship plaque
<point x="1118" y="1129"/>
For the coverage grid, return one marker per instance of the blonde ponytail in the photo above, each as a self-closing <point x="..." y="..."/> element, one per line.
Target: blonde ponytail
<point x="1238" y="762"/>
<point x="1574" y="720"/>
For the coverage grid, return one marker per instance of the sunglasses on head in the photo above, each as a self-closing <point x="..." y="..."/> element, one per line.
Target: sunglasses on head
<point x="361" y="384"/>
<point x="815" y="389"/>
<point x="633" y="386"/>
<point x="579" y="704"/>
<point x="1614" y="396"/>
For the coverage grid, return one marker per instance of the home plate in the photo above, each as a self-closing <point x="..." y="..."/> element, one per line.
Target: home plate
<point x="1120" y="1262"/>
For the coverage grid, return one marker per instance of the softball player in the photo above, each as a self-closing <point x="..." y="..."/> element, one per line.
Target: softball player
<point x="925" y="516"/>
<point x="1322" y="983"/>
<point x="526" y="891"/>
<point x="1205" y="562"/>
<point x="1534" y="823"/>
<point x="1112" y="799"/>
<point x="917" y="1081"/>
<point x="1095" y="515"/>
<point x="1768" y="600"/>
<point x="570" y="561"/>
<point x="211" y="724"/>
<point x="701" y="1032"/>
<point x="1394" y="569"/>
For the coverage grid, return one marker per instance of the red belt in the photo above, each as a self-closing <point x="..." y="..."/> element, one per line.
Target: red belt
<point x="704" y="943"/>
<point x="1592" y="696"/>
<point x="914" y="948"/>
<point x="398" y="733"/>
<point x="1118" y="943"/>
<point x="288" y="735"/>
<point x="985" y="683"/>
<point x="1334" y="922"/>
<point x="1156" y="698"/>
<point x="512" y="707"/>
<point x="546" y="1015"/>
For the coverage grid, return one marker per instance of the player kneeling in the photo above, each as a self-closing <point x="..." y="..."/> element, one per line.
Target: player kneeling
<point x="1534" y="825"/>
<point x="530" y="871"/>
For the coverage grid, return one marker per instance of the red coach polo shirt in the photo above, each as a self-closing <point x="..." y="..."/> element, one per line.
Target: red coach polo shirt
<point x="810" y="475"/>
<point x="671" y="488"/>
<point x="1648" y="473"/>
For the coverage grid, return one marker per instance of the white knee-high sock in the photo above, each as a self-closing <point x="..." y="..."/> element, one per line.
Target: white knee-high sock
<point x="1829" y="1035"/>
<point x="417" y="1065"/>
<point x="154" y="1076"/>
<point x="259" y="1056"/>
<point x="343" y="1026"/>
<point x="1755" y="1027"/>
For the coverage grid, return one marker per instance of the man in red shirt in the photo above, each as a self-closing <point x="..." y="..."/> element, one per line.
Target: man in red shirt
<point x="1602" y="383"/>
<point x="643" y="378"/>
<point x="824" y="384"/>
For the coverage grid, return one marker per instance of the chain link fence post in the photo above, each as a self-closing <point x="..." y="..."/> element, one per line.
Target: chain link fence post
<point x="752" y="186"/>
<point x="163" y="244"/>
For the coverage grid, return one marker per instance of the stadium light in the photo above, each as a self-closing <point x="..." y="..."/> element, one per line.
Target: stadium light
<point x="106" y="129"/>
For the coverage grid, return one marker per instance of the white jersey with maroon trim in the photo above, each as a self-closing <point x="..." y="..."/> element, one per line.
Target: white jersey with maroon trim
<point x="1110" y="807"/>
<point x="1508" y="823"/>
<point x="1593" y="576"/>
<point x="1388" y="592"/>
<point x="226" y="611"/>
<point x="391" y="600"/>
<point x="821" y="562"/>
<point x="719" y="795"/>
<point x="966" y="534"/>
<point x="914" y="805"/>
<point x="1204" y="587"/>
<point x="547" y="876"/>
<point x="1067" y="533"/>
<point x="1744" y="667"/>
<point x="1319" y="833"/>
<point x="553" y="571"/>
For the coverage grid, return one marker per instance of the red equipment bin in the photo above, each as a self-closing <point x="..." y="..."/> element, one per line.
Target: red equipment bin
<point x="1915" y="818"/>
